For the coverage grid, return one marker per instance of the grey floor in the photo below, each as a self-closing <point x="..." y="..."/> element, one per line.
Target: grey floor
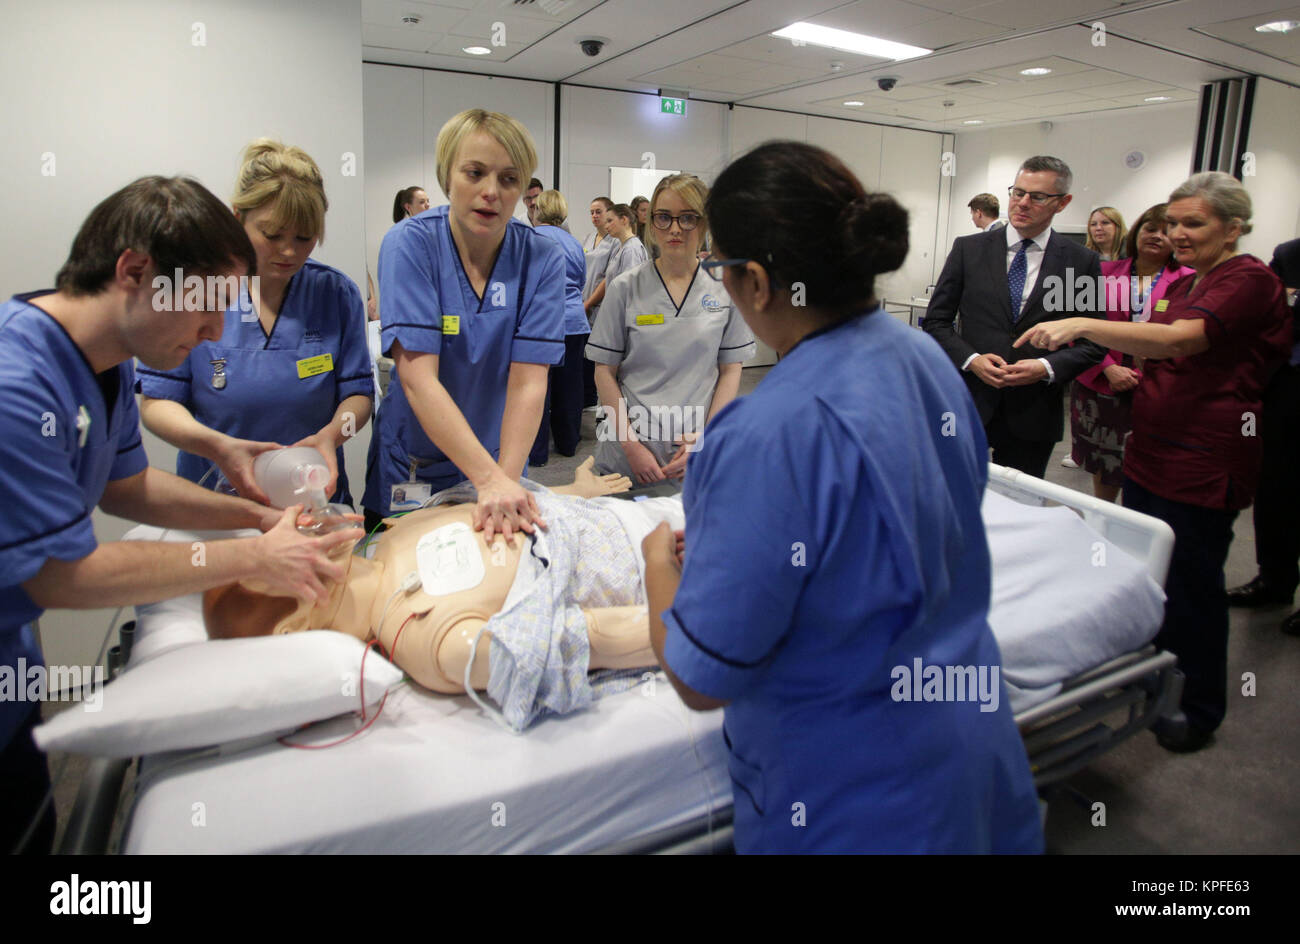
<point x="1237" y="796"/>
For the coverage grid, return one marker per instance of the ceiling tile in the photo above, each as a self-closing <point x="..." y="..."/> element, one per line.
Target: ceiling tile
<point x="775" y="75"/>
<point x="1056" y="98"/>
<point x="434" y="18"/>
<point x="947" y="30"/>
<point x="1242" y="31"/>
<point x="516" y="29"/>
<point x="1057" y="64"/>
<point x="388" y="37"/>
<point x="879" y="18"/>
<point x="1028" y="14"/>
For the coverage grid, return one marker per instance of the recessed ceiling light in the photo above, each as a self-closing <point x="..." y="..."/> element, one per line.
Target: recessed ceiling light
<point x="855" y="104"/>
<point x="477" y="50"/>
<point x="860" y="43"/>
<point x="973" y="121"/>
<point x="1158" y="98"/>
<point x="1036" y="70"/>
<point x="1278" y="26"/>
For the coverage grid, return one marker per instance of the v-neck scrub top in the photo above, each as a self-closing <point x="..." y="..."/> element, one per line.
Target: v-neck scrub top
<point x="667" y="357"/>
<point x="279" y="387"/>
<point x="65" y="433"/>
<point x="575" y="270"/>
<point x="428" y="306"/>
<point x="1190" y="440"/>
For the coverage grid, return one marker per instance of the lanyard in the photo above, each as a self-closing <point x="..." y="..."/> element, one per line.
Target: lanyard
<point x="1137" y="297"/>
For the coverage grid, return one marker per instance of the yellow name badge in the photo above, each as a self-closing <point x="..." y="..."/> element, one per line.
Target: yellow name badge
<point x="1162" y="305"/>
<point x="649" y="319"/>
<point x="451" y="324"/>
<point x="312" y="366"/>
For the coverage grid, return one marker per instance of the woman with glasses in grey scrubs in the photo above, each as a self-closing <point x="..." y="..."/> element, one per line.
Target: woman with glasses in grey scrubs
<point x="667" y="345"/>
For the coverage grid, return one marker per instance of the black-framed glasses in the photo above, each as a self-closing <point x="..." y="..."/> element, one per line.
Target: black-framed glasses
<point x="662" y="219"/>
<point x="1036" y="197"/>
<point x="713" y="267"/>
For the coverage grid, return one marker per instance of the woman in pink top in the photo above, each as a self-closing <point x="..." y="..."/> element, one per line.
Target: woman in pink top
<point x="1101" y="398"/>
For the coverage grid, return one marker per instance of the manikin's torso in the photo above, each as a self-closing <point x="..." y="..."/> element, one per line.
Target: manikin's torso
<point x="370" y="603"/>
<point x="459" y="584"/>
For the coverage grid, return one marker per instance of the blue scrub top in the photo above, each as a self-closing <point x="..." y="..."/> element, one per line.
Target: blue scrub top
<point x="427" y="304"/>
<point x="50" y="480"/>
<point x="575" y="274"/>
<point x="833" y="533"/>
<point x="264" y="397"/>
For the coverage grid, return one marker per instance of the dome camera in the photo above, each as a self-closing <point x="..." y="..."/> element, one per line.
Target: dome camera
<point x="592" y="45"/>
<point x="887" y="83"/>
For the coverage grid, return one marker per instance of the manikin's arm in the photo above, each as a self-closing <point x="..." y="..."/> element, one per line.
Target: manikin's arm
<point x="586" y="484"/>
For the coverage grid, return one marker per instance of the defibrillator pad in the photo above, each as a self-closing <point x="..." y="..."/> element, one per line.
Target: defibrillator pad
<point x="448" y="560"/>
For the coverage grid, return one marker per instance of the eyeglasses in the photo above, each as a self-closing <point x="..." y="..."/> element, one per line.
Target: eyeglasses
<point x="713" y="267"/>
<point x="664" y="220"/>
<point x="1036" y="197"/>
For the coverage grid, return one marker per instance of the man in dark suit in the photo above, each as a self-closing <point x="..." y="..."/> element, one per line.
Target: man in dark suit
<point x="1002" y="282"/>
<point x="1277" y="504"/>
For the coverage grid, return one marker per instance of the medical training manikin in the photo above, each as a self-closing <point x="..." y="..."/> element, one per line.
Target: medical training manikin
<point x="433" y="588"/>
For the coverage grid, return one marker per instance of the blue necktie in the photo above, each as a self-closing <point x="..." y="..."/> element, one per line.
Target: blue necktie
<point x="1016" y="279"/>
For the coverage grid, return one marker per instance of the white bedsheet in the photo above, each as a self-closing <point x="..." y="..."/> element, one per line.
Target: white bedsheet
<point x="435" y="774"/>
<point x="1065" y="600"/>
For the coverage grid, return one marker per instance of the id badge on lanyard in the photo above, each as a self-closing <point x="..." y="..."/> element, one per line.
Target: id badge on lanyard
<point x="409" y="495"/>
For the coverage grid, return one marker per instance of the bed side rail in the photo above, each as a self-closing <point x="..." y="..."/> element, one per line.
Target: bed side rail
<point x="1146" y="538"/>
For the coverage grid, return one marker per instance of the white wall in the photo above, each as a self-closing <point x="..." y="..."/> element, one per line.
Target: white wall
<point x="1275" y="186"/>
<point x="603" y="129"/>
<point x="118" y="91"/>
<point x="1094" y="148"/>
<point x="902" y="162"/>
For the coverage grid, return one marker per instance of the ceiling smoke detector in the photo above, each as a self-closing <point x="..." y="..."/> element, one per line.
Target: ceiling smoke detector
<point x="411" y="19"/>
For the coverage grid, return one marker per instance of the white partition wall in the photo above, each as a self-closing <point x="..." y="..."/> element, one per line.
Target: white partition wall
<point x="1274" y="187"/>
<point x="1095" y="148"/>
<point x="911" y="170"/>
<point x="185" y="87"/>
<point x="858" y="145"/>
<point x="603" y="129"/>
<point x="904" y="163"/>
<point x="752" y="126"/>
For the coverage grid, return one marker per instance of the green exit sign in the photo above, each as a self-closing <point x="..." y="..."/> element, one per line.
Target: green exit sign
<point x="672" y="106"/>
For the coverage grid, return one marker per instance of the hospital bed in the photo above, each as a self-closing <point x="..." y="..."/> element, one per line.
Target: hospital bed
<point x="638" y="771"/>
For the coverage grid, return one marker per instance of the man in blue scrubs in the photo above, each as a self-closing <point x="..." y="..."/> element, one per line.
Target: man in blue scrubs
<point x="70" y="440"/>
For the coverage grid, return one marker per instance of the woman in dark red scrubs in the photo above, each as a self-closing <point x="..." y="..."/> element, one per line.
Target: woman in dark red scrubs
<point x="1193" y="459"/>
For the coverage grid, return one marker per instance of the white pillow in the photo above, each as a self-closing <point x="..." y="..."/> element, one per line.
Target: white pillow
<point x="221" y="691"/>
